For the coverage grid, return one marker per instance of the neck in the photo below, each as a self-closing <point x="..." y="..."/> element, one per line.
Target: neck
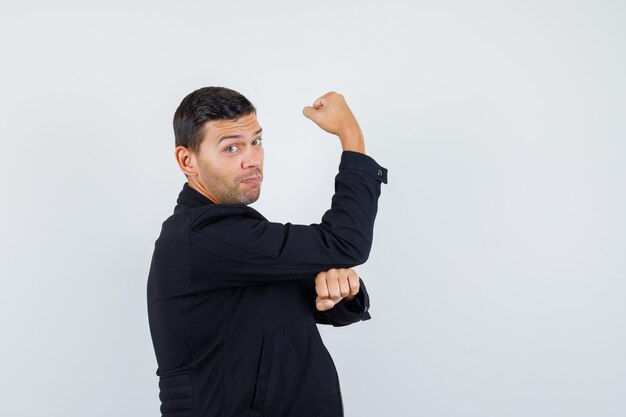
<point x="197" y="185"/>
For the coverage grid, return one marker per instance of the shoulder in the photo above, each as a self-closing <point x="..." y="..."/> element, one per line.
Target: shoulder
<point x="215" y="214"/>
<point x="224" y="227"/>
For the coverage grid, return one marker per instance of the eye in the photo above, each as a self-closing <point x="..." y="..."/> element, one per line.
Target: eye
<point x="231" y="149"/>
<point x="257" y="142"/>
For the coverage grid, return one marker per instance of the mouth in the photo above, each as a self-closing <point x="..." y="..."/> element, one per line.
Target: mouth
<point x="254" y="180"/>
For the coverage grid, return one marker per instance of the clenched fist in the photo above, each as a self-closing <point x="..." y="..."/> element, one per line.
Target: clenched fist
<point x="331" y="113"/>
<point x="334" y="285"/>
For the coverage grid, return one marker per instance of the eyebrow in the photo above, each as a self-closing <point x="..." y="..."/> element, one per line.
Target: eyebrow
<point x="237" y="136"/>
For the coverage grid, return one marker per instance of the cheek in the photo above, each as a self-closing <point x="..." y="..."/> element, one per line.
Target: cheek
<point x="261" y="155"/>
<point x="216" y="169"/>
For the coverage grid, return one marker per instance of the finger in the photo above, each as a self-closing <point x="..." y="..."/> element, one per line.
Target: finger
<point x="320" y="285"/>
<point x="319" y="103"/>
<point x="355" y="284"/>
<point x="344" y="283"/>
<point x="323" y="304"/>
<point x="332" y="283"/>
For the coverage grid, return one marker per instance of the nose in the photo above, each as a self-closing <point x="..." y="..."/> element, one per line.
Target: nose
<point x="253" y="158"/>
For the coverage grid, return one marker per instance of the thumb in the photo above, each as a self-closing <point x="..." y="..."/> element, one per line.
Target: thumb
<point x="324" y="304"/>
<point x="309" y="112"/>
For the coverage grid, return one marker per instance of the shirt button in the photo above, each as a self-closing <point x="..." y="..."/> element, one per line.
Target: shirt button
<point x="380" y="173"/>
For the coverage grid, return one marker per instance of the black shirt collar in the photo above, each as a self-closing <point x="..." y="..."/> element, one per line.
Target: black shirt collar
<point x="191" y="197"/>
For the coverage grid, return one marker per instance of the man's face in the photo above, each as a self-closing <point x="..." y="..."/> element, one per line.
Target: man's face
<point x="230" y="160"/>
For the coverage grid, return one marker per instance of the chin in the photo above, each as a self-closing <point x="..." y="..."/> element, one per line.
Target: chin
<point x="253" y="200"/>
<point x="249" y="198"/>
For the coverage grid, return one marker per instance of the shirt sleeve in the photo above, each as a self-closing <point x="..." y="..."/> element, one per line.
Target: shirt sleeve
<point x="342" y="314"/>
<point x="245" y="248"/>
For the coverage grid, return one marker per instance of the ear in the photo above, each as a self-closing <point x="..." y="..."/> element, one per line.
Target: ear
<point x="186" y="160"/>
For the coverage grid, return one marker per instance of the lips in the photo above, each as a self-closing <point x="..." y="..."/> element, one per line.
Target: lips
<point x="254" y="180"/>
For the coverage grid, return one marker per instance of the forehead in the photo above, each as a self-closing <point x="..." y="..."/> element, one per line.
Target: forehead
<point x="244" y="126"/>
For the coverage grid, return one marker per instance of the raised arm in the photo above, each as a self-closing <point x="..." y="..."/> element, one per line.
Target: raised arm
<point x="248" y="249"/>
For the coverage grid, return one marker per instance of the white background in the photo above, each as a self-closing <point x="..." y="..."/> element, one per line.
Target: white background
<point x="498" y="271"/>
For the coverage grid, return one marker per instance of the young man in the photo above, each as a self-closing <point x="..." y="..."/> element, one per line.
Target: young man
<point x="233" y="299"/>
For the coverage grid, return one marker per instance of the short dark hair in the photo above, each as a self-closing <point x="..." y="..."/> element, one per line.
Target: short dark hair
<point x="204" y="105"/>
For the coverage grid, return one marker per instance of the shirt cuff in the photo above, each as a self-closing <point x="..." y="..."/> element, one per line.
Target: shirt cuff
<point x="358" y="306"/>
<point x="362" y="162"/>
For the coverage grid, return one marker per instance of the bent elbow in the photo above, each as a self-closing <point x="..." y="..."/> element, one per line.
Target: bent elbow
<point x="358" y="253"/>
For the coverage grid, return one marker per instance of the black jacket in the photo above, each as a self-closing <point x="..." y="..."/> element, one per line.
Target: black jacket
<point x="231" y="302"/>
